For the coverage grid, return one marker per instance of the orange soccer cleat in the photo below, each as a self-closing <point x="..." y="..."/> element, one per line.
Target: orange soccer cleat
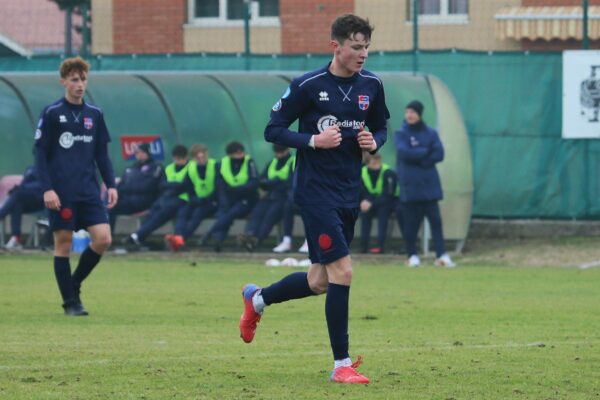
<point x="349" y="374"/>
<point x="250" y="317"/>
<point x="174" y="242"/>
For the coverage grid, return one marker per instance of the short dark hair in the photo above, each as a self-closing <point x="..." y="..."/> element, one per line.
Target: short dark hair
<point x="145" y="147"/>
<point x="234" y="147"/>
<point x="179" y="151"/>
<point x="345" y="26"/>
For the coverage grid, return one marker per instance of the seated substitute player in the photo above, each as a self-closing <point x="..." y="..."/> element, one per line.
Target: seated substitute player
<point x="333" y="105"/>
<point x="237" y="184"/>
<point x="289" y="211"/>
<point x="172" y="198"/>
<point x="378" y="198"/>
<point x="139" y="187"/>
<point x="70" y="141"/>
<point x="27" y="197"/>
<point x="202" y="181"/>
<point x="275" y="181"/>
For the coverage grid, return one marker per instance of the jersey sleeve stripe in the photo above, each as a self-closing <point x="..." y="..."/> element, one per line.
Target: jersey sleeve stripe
<point x="312" y="77"/>
<point x="372" y="77"/>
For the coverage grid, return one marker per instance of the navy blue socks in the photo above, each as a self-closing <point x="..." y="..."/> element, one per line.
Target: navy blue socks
<point x="87" y="261"/>
<point x="293" y="286"/>
<point x="336" y="312"/>
<point x="62" y="271"/>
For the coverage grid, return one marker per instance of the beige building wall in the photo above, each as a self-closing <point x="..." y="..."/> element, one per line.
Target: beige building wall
<point x="263" y="40"/>
<point x="393" y="28"/>
<point x="102" y="26"/>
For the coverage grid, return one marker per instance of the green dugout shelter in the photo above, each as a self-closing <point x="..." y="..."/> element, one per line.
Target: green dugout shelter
<point x="215" y="108"/>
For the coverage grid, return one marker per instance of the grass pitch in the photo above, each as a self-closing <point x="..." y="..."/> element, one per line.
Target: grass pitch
<point x="163" y="328"/>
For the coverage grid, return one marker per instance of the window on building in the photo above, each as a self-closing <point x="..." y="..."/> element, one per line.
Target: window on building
<point x="231" y="12"/>
<point x="440" y="11"/>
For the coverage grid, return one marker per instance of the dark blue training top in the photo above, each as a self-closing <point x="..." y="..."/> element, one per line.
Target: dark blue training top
<point x="418" y="149"/>
<point x="319" y="99"/>
<point x="70" y="140"/>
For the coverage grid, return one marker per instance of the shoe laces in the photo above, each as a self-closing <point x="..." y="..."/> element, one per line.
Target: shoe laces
<point x="357" y="363"/>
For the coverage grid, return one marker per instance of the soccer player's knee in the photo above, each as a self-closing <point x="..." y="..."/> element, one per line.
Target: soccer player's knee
<point x="103" y="242"/>
<point x="318" y="287"/>
<point x="63" y="247"/>
<point x="346" y="275"/>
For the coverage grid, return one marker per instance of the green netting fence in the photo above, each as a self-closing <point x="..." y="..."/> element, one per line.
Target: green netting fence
<point x="511" y="102"/>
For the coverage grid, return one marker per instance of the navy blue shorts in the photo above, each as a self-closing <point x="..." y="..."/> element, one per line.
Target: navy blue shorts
<point x="83" y="214"/>
<point x="329" y="231"/>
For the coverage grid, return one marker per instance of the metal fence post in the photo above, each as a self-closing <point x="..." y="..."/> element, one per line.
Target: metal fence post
<point x="586" y="37"/>
<point x="415" y="49"/>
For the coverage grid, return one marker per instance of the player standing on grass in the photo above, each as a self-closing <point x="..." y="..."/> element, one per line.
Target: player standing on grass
<point x="70" y="141"/>
<point x="333" y="105"/>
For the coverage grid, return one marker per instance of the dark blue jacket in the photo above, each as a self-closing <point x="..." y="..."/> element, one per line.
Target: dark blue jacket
<point x="418" y="149"/>
<point x="30" y="185"/>
<point x="141" y="181"/>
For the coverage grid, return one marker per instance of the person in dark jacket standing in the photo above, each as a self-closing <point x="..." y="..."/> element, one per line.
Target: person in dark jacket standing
<point x="139" y="186"/>
<point x="418" y="149"/>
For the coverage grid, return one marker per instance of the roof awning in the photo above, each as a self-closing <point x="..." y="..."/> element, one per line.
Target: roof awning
<point x="546" y="23"/>
<point x="9" y="47"/>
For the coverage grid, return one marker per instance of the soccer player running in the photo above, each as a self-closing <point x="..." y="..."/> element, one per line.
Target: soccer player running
<point x="333" y="105"/>
<point x="70" y="141"/>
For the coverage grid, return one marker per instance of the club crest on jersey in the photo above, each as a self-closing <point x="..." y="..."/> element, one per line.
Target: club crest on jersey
<point x="88" y="123"/>
<point x="363" y="102"/>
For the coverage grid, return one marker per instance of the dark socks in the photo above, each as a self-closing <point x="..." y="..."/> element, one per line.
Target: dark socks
<point x="62" y="271"/>
<point x="336" y="312"/>
<point x="293" y="286"/>
<point x="87" y="261"/>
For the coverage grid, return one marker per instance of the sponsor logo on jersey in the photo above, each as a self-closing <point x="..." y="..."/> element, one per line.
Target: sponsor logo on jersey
<point x="38" y="134"/>
<point x="88" y="123"/>
<point x="363" y="102"/>
<point x="277" y="106"/>
<point x="330" y="120"/>
<point x="67" y="140"/>
<point x="62" y="119"/>
<point x="323" y="96"/>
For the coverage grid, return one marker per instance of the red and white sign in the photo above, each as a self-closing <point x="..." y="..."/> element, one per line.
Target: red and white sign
<point x="130" y="143"/>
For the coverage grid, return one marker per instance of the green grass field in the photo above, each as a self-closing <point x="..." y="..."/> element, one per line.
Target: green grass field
<point x="162" y="328"/>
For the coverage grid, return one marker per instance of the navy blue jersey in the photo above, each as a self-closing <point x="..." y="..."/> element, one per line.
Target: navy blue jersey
<point x="318" y="100"/>
<point x="70" y="141"/>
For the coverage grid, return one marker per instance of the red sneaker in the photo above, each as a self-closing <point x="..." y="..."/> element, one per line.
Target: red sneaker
<point x="174" y="242"/>
<point x="376" y="250"/>
<point x="349" y="374"/>
<point x="177" y="242"/>
<point x="250" y="318"/>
